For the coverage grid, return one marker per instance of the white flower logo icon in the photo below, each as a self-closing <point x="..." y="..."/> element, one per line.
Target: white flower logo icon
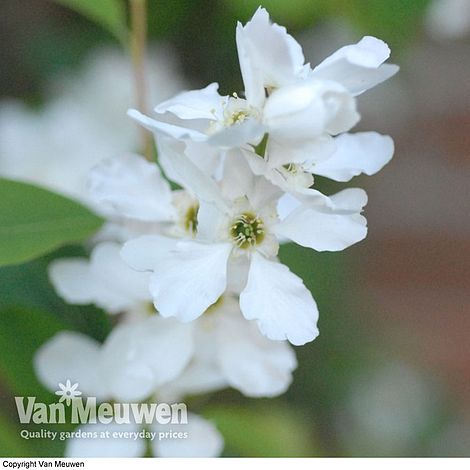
<point x="68" y="392"/>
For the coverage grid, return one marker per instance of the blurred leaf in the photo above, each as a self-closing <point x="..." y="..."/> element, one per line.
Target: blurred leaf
<point x="11" y="444"/>
<point x="110" y="14"/>
<point x="27" y="286"/>
<point x="34" y="221"/>
<point x="394" y="21"/>
<point x="295" y="13"/>
<point x="263" y="431"/>
<point x="327" y="364"/>
<point x="22" y="332"/>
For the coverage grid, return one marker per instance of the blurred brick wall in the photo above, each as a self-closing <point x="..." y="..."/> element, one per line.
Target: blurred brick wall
<point x="416" y="261"/>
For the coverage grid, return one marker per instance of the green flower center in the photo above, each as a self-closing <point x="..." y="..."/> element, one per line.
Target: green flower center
<point x="236" y="117"/>
<point x="190" y="219"/>
<point x="247" y="230"/>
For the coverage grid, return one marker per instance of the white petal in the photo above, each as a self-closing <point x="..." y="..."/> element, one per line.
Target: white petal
<point x="280" y="302"/>
<point x="84" y="447"/>
<point x="71" y="356"/>
<point x="239" y="178"/>
<point x="287" y="204"/>
<point x="258" y="165"/>
<point x="323" y="229"/>
<point x="205" y="103"/>
<point x="364" y="152"/>
<point x="203" y="439"/>
<point x="132" y="187"/>
<point x="204" y="156"/>
<point x="198" y="378"/>
<point x="145" y="253"/>
<point x="203" y="373"/>
<point x="190" y="279"/>
<point x="140" y="357"/>
<point x="118" y="287"/>
<point x="350" y="200"/>
<point x="357" y="79"/>
<point x="211" y="222"/>
<point x="170" y="130"/>
<point x="191" y="177"/>
<point x="263" y="195"/>
<point x="237" y="273"/>
<point x="309" y="151"/>
<point x="253" y="364"/>
<point x="267" y="51"/>
<point x="72" y="280"/>
<point x="358" y="67"/>
<point x="253" y="79"/>
<point x="309" y="109"/>
<point x="368" y="52"/>
<point x="249" y="131"/>
<point x="104" y="280"/>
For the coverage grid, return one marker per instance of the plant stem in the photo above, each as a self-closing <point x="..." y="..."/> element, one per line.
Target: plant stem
<point x="138" y="41"/>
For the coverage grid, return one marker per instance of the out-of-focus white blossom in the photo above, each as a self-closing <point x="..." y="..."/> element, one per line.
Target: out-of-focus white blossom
<point x="448" y="19"/>
<point x="83" y="122"/>
<point x="201" y="439"/>
<point x="388" y="408"/>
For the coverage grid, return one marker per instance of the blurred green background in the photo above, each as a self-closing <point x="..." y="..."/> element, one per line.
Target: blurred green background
<point x="389" y="374"/>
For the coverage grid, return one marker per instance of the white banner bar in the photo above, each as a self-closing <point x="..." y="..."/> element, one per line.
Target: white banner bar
<point x="234" y="464"/>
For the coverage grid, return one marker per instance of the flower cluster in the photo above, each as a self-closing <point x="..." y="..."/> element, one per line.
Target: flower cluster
<point x="193" y="273"/>
<point x="247" y="166"/>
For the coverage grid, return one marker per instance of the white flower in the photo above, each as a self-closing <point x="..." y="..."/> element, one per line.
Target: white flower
<point x="68" y="392"/>
<point x="147" y="352"/>
<point x="134" y="361"/>
<point x="298" y="107"/>
<point x="349" y="155"/>
<point x="137" y="199"/>
<point x="164" y="358"/>
<point x="229" y="351"/>
<point x="226" y="121"/>
<point x="241" y="221"/>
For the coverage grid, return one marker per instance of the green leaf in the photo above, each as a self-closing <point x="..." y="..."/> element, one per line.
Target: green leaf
<point x="27" y="286"/>
<point x="110" y="14"/>
<point x="22" y="332"/>
<point x="395" y="21"/>
<point x="263" y="430"/>
<point x="11" y="444"/>
<point x="34" y="221"/>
